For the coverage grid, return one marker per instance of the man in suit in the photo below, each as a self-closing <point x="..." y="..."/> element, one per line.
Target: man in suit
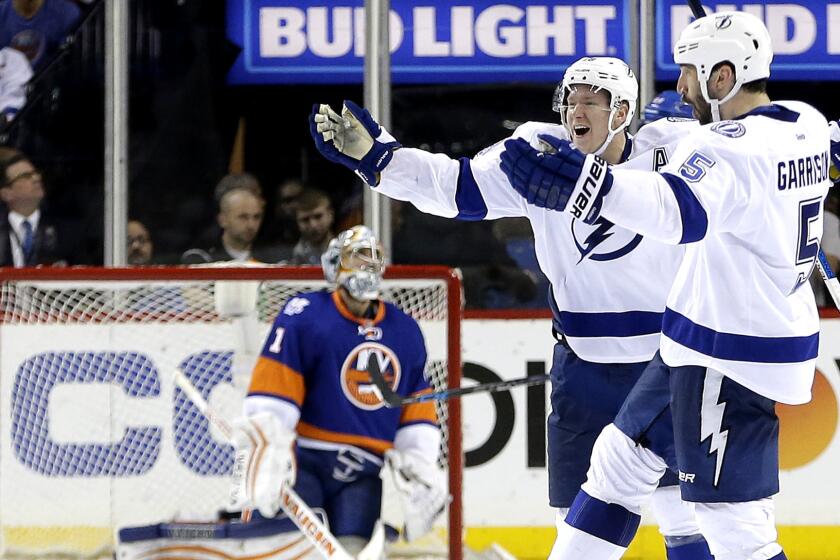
<point x="26" y="238"/>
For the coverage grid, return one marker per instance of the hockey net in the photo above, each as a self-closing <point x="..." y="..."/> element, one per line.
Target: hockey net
<point x="94" y="433"/>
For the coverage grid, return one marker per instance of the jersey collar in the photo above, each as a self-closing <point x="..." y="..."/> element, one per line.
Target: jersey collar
<point x="347" y="314"/>
<point x="628" y="147"/>
<point x="772" y="111"/>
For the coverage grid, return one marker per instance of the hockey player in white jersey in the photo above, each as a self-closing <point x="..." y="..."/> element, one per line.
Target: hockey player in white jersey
<point x="607" y="329"/>
<point x="740" y="331"/>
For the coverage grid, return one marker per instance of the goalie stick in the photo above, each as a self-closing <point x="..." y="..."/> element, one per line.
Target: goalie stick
<point x="292" y="505"/>
<point x="393" y="400"/>
<point x="828" y="276"/>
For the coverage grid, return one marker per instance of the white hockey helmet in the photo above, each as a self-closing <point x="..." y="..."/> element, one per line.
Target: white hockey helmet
<point x="355" y="260"/>
<point x="603" y="72"/>
<point x="735" y="37"/>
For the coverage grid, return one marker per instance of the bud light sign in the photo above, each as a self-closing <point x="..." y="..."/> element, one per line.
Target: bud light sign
<point x="472" y="42"/>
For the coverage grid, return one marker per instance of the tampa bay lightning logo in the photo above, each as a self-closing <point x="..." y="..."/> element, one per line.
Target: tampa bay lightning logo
<point x="730" y="129"/>
<point x="602" y="241"/>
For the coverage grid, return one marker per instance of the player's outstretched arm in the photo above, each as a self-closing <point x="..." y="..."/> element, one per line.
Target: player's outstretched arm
<point x="353" y="139"/>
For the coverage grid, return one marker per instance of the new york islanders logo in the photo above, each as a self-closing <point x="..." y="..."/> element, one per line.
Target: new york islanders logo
<point x="355" y="380"/>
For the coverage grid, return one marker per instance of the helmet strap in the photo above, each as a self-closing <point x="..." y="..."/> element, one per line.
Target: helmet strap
<point x="716" y="103"/>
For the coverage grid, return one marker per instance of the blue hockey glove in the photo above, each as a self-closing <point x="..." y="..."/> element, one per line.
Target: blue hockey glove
<point x="352" y="139"/>
<point x="834" y="172"/>
<point x="561" y="178"/>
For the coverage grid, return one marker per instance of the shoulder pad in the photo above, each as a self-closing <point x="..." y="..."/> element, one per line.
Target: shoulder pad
<point x="530" y="130"/>
<point x="663" y="132"/>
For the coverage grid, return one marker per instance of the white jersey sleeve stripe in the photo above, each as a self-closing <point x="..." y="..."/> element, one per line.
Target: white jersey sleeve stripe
<point x="695" y="222"/>
<point x="468" y="199"/>
<point x="739" y="347"/>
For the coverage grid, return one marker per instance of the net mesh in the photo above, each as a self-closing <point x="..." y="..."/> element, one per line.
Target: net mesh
<point x="99" y="437"/>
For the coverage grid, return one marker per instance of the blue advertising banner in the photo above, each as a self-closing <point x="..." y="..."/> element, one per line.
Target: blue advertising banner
<point x="805" y="36"/>
<point x="322" y="41"/>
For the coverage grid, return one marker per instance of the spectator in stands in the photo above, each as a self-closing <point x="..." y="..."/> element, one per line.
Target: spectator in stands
<point x="240" y="215"/>
<point x="140" y="246"/>
<point x="27" y="238"/>
<point x="284" y="226"/>
<point x="229" y="182"/>
<point x="15" y="73"/>
<point x="314" y="218"/>
<point x="37" y="28"/>
<point x="281" y="232"/>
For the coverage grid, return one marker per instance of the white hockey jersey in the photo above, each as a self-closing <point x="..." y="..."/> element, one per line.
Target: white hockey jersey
<point x="746" y="196"/>
<point x="15" y="73"/>
<point x="608" y="284"/>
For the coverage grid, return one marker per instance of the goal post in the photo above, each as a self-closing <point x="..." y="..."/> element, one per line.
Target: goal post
<point x="95" y="435"/>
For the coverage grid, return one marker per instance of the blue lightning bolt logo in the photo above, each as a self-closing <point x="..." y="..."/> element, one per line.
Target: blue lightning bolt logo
<point x="711" y="419"/>
<point x="600" y="234"/>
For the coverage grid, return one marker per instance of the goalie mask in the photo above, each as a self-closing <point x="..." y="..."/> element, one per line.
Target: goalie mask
<point x="355" y="260"/>
<point x="600" y="73"/>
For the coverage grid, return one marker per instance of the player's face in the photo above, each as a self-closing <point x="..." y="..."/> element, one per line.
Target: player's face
<point x="139" y="244"/>
<point x="241" y="216"/>
<point x="23" y="184"/>
<point x="364" y="259"/>
<point x="688" y="87"/>
<point x="314" y="225"/>
<point x="587" y="117"/>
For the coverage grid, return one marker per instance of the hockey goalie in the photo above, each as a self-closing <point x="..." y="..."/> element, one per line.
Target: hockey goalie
<point x="314" y="422"/>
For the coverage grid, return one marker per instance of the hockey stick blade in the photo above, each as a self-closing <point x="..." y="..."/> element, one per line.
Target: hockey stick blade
<point x="393" y="400"/>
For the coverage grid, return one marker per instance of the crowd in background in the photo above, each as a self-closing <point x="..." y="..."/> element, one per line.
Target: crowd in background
<point x="280" y="205"/>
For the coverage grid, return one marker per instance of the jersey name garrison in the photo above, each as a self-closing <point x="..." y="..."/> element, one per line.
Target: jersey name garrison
<point x="746" y="198"/>
<point x="316" y="357"/>
<point x="608" y="283"/>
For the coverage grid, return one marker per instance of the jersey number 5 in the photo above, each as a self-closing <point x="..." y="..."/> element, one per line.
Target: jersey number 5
<point x="695" y="167"/>
<point x="809" y="244"/>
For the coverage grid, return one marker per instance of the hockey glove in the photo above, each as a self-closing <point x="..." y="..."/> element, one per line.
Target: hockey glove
<point x="352" y="139"/>
<point x="834" y="171"/>
<point x="422" y="488"/>
<point x="561" y="178"/>
<point x="264" y="463"/>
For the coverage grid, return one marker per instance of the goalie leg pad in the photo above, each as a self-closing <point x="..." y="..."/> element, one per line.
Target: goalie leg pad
<point x="275" y="538"/>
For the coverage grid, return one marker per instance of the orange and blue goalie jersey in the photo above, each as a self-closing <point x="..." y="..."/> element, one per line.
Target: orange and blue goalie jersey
<point x="315" y="357"/>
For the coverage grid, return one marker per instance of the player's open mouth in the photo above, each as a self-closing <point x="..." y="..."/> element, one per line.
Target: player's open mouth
<point x="580" y="131"/>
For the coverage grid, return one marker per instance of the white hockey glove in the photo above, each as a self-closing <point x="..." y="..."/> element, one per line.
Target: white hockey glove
<point x="423" y="490"/>
<point x="264" y="463"/>
<point x="352" y="139"/>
